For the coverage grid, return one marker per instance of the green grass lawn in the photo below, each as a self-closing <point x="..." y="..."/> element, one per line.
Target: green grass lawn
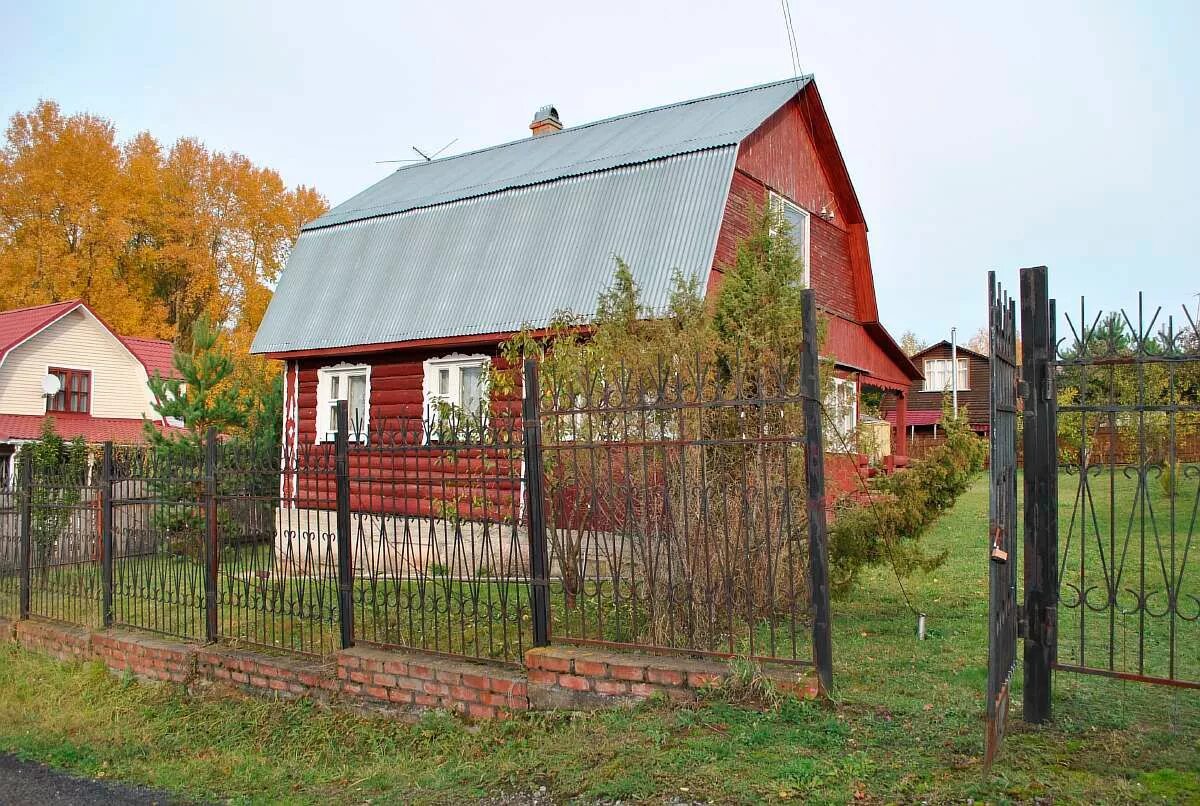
<point x="906" y="725"/>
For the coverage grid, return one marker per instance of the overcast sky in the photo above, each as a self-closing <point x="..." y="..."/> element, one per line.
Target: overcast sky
<point x="978" y="135"/>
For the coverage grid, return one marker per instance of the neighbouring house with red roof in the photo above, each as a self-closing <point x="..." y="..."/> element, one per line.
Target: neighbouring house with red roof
<point x="61" y="361"/>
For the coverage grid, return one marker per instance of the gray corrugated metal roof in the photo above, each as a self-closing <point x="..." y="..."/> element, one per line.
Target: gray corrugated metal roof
<point x="488" y="241"/>
<point x="493" y="263"/>
<point x="718" y="120"/>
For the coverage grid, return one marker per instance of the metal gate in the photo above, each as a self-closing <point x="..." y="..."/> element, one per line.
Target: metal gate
<point x="1002" y="510"/>
<point x="1111" y="413"/>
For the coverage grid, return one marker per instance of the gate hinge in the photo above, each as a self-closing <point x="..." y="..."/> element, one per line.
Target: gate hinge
<point x="1021" y="626"/>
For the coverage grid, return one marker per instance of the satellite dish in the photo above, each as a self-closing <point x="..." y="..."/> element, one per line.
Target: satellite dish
<point x="51" y="385"/>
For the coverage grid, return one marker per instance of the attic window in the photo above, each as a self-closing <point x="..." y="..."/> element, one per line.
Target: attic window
<point x="74" y="391"/>
<point x="798" y="218"/>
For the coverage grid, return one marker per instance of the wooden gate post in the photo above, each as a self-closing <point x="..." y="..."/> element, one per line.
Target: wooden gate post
<point x="1041" y="491"/>
<point x="814" y="472"/>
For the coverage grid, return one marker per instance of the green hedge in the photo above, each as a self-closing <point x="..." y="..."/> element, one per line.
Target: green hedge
<point x="902" y="506"/>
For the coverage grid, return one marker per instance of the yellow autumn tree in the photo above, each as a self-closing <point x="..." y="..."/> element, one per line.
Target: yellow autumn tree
<point x="152" y="238"/>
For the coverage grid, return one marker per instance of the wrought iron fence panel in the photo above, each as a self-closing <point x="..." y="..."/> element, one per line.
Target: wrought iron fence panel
<point x="64" y="548"/>
<point x="1129" y="573"/>
<point x="675" y="506"/>
<point x="276" y="574"/>
<point x="158" y="539"/>
<point x="440" y="554"/>
<point x="10" y="555"/>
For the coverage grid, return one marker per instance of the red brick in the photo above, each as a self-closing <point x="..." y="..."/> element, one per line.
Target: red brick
<point x="422" y="672"/>
<point x="381" y="679"/>
<point x="425" y="699"/>
<point x="410" y="683"/>
<point x="240" y="677"/>
<point x="400" y="695"/>
<point x="643" y="689"/>
<point x="611" y="687"/>
<point x="361" y="677"/>
<point x="478" y="681"/>
<point x="396" y="667"/>
<point x="440" y="689"/>
<point x="464" y="694"/>
<point x="257" y="681"/>
<point x="541" y="676"/>
<point x="278" y="685"/>
<point x="503" y="685"/>
<point x="448" y="676"/>
<point x="669" y="677"/>
<point x="574" y="682"/>
<point x="550" y="663"/>
<point x="378" y="692"/>
<point x="591" y="668"/>
<point x="493" y="698"/>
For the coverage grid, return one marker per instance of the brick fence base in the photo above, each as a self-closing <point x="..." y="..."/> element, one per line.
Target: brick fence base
<point x="395" y="681"/>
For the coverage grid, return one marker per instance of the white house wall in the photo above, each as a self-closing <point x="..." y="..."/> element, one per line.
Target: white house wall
<point x="76" y="341"/>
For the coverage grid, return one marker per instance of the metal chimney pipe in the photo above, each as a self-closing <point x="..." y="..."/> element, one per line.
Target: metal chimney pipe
<point x="954" y="369"/>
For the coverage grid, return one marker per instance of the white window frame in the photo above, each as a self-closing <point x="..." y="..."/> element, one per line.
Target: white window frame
<point x="780" y="202"/>
<point x="847" y="421"/>
<point x="431" y="392"/>
<point x="943" y="370"/>
<point x="325" y="401"/>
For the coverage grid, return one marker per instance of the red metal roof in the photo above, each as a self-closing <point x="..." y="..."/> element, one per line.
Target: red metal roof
<point x="69" y="426"/>
<point x="921" y="417"/>
<point x="156" y="355"/>
<point x="20" y="324"/>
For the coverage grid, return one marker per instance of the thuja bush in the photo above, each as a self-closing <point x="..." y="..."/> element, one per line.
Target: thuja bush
<point x="664" y="495"/>
<point x="888" y="528"/>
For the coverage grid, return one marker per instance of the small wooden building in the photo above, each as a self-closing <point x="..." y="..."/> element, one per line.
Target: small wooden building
<point x="924" y="416"/>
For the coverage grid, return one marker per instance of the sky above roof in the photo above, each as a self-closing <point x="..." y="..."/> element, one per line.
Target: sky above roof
<point x="977" y="137"/>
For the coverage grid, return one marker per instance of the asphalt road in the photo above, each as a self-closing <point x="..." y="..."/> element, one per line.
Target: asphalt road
<point x="26" y="782"/>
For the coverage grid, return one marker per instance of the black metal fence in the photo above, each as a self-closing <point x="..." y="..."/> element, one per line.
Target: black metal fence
<point x="669" y="508"/>
<point x="1002" y="513"/>
<point x="1128" y="405"/>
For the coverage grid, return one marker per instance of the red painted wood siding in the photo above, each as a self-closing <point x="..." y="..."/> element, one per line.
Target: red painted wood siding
<point x="412" y="479"/>
<point x="782" y="155"/>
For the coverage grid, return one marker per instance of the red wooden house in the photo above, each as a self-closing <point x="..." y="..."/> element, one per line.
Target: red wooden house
<point x="397" y="298"/>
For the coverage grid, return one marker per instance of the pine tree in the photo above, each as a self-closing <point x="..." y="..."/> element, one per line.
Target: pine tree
<point x="201" y="395"/>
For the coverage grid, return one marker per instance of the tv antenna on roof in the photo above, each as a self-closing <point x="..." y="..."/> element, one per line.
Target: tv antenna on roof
<point x="424" y="157"/>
